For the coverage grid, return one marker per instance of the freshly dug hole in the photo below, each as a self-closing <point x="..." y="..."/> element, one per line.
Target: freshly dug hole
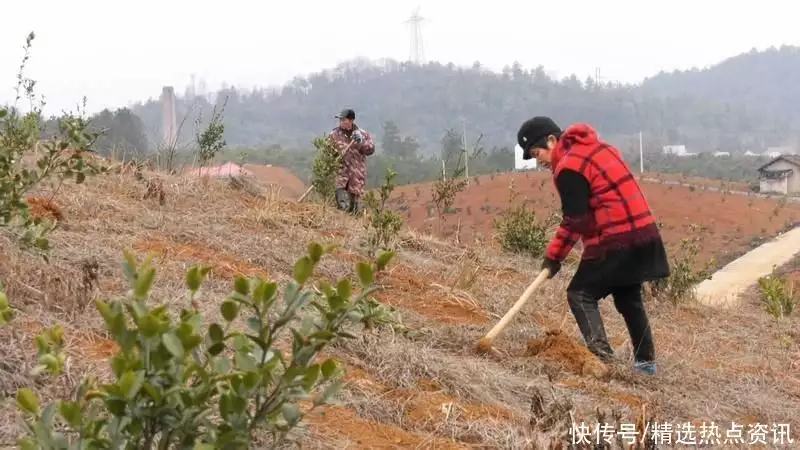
<point x="568" y="353"/>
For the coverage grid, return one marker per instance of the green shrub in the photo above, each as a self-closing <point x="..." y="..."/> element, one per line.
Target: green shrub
<point x="519" y="231"/>
<point x="179" y="383"/>
<point x="384" y="224"/>
<point x="61" y="158"/>
<point x="324" y="170"/>
<point x="679" y="286"/>
<point x="776" y="296"/>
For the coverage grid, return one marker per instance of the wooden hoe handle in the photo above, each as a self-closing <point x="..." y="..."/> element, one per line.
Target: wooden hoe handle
<point x="517" y="306"/>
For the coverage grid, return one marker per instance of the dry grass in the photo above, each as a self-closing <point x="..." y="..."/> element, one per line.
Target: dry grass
<point x="419" y="387"/>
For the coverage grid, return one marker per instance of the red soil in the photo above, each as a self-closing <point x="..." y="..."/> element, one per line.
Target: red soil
<point x="291" y="186"/>
<point x="726" y="222"/>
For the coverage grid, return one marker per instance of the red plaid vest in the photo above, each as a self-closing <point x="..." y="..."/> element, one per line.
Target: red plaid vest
<point x="620" y="215"/>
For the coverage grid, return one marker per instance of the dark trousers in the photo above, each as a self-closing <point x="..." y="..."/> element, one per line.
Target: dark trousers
<point x="628" y="301"/>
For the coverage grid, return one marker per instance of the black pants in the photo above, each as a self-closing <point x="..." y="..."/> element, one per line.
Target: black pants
<point x="628" y="300"/>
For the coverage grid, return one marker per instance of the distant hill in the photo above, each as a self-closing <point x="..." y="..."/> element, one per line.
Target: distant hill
<point x="742" y="103"/>
<point x="763" y="82"/>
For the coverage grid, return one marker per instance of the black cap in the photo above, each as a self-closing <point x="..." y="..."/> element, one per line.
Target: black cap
<point x="534" y="132"/>
<point x="346" y="114"/>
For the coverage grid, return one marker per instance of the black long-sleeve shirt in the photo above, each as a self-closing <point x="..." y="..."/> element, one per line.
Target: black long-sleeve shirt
<point x="574" y="190"/>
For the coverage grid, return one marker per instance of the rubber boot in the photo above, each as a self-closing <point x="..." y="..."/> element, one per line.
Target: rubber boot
<point x="587" y="314"/>
<point x="343" y="199"/>
<point x="355" y="205"/>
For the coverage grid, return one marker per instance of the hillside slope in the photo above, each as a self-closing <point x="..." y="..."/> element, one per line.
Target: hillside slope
<point x="726" y="224"/>
<point x="419" y="388"/>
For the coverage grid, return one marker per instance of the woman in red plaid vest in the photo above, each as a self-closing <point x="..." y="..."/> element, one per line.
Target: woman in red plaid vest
<point x="602" y="205"/>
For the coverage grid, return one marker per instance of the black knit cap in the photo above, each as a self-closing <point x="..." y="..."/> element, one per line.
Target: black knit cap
<point x="534" y="132"/>
<point x="346" y="114"/>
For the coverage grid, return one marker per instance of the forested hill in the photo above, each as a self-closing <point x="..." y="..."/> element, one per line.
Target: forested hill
<point x="736" y="105"/>
<point x="765" y="82"/>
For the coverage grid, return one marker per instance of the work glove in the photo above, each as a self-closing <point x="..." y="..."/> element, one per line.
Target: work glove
<point x="358" y="137"/>
<point x="552" y="266"/>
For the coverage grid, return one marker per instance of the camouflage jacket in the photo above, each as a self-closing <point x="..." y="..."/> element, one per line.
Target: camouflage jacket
<point x="353" y="174"/>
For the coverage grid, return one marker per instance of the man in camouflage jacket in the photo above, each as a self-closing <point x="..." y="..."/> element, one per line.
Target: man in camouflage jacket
<point x="352" y="176"/>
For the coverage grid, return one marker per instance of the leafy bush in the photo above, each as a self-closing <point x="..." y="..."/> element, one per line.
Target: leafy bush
<point x="211" y="141"/>
<point x="679" y="286"/>
<point x="62" y="157"/>
<point x="179" y="383"/>
<point x="519" y="231"/>
<point x="384" y="224"/>
<point x="324" y="170"/>
<point x="776" y="296"/>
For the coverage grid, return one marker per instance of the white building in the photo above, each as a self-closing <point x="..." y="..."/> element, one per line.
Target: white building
<point x="722" y="154"/>
<point x="780" y="150"/>
<point x="679" y="150"/>
<point x="521" y="164"/>
<point x="781" y="175"/>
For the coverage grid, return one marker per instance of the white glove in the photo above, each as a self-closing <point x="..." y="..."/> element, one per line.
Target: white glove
<point x="357" y="136"/>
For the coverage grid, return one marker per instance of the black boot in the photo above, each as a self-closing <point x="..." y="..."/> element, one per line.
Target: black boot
<point x="343" y="199"/>
<point x="587" y="314"/>
<point x="355" y="205"/>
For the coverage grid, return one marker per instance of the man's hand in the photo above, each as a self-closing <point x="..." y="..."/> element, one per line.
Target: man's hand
<point x="357" y="136"/>
<point x="552" y="266"/>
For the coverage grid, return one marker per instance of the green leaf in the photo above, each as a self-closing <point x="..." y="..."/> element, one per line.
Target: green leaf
<point x="216" y="333"/>
<point x="315" y="251"/>
<point x="194" y="279"/>
<point x="245" y="362"/>
<point x="27" y="400"/>
<point x="26" y="443"/>
<point x="303" y="269"/>
<point x="241" y="285"/>
<point x="149" y="325"/>
<point x="365" y="274"/>
<point x="173" y="344"/>
<point x="329" y="392"/>
<point x="130" y="383"/>
<point x="229" y="310"/>
<point x="344" y="288"/>
<point x="329" y="368"/>
<point x="216" y="349"/>
<point x="310" y="377"/>
<point x="290" y="412"/>
<point x="71" y="412"/>
<point x="383" y="260"/>
<point x="254" y="323"/>
<point x="116" y="406"/>
<point x="144" y="282"/>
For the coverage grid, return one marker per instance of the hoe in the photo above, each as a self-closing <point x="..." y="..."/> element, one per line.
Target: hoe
<point x="485" y="344"/>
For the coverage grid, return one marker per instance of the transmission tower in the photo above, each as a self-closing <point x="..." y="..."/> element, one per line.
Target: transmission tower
<point x="417" y="53"/>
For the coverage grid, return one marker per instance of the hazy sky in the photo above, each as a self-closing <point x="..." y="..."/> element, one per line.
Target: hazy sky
<point x="115" y="55"/>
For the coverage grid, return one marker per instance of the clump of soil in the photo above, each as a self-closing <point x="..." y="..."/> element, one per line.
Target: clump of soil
<point x="568" y="353"/>
<point x="43" y="208"/>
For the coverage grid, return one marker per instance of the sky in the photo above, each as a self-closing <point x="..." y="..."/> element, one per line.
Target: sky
<point x="117" y="55"/>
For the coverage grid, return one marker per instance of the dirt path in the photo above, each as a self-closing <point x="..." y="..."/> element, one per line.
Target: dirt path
<point x="727" y="284"/>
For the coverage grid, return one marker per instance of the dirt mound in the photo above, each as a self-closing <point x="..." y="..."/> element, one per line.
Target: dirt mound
<point x="413" y="290"/>
<point x="567" y="352"/>
<point x="291" y="186"/>
<point x="44" y="208"/>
